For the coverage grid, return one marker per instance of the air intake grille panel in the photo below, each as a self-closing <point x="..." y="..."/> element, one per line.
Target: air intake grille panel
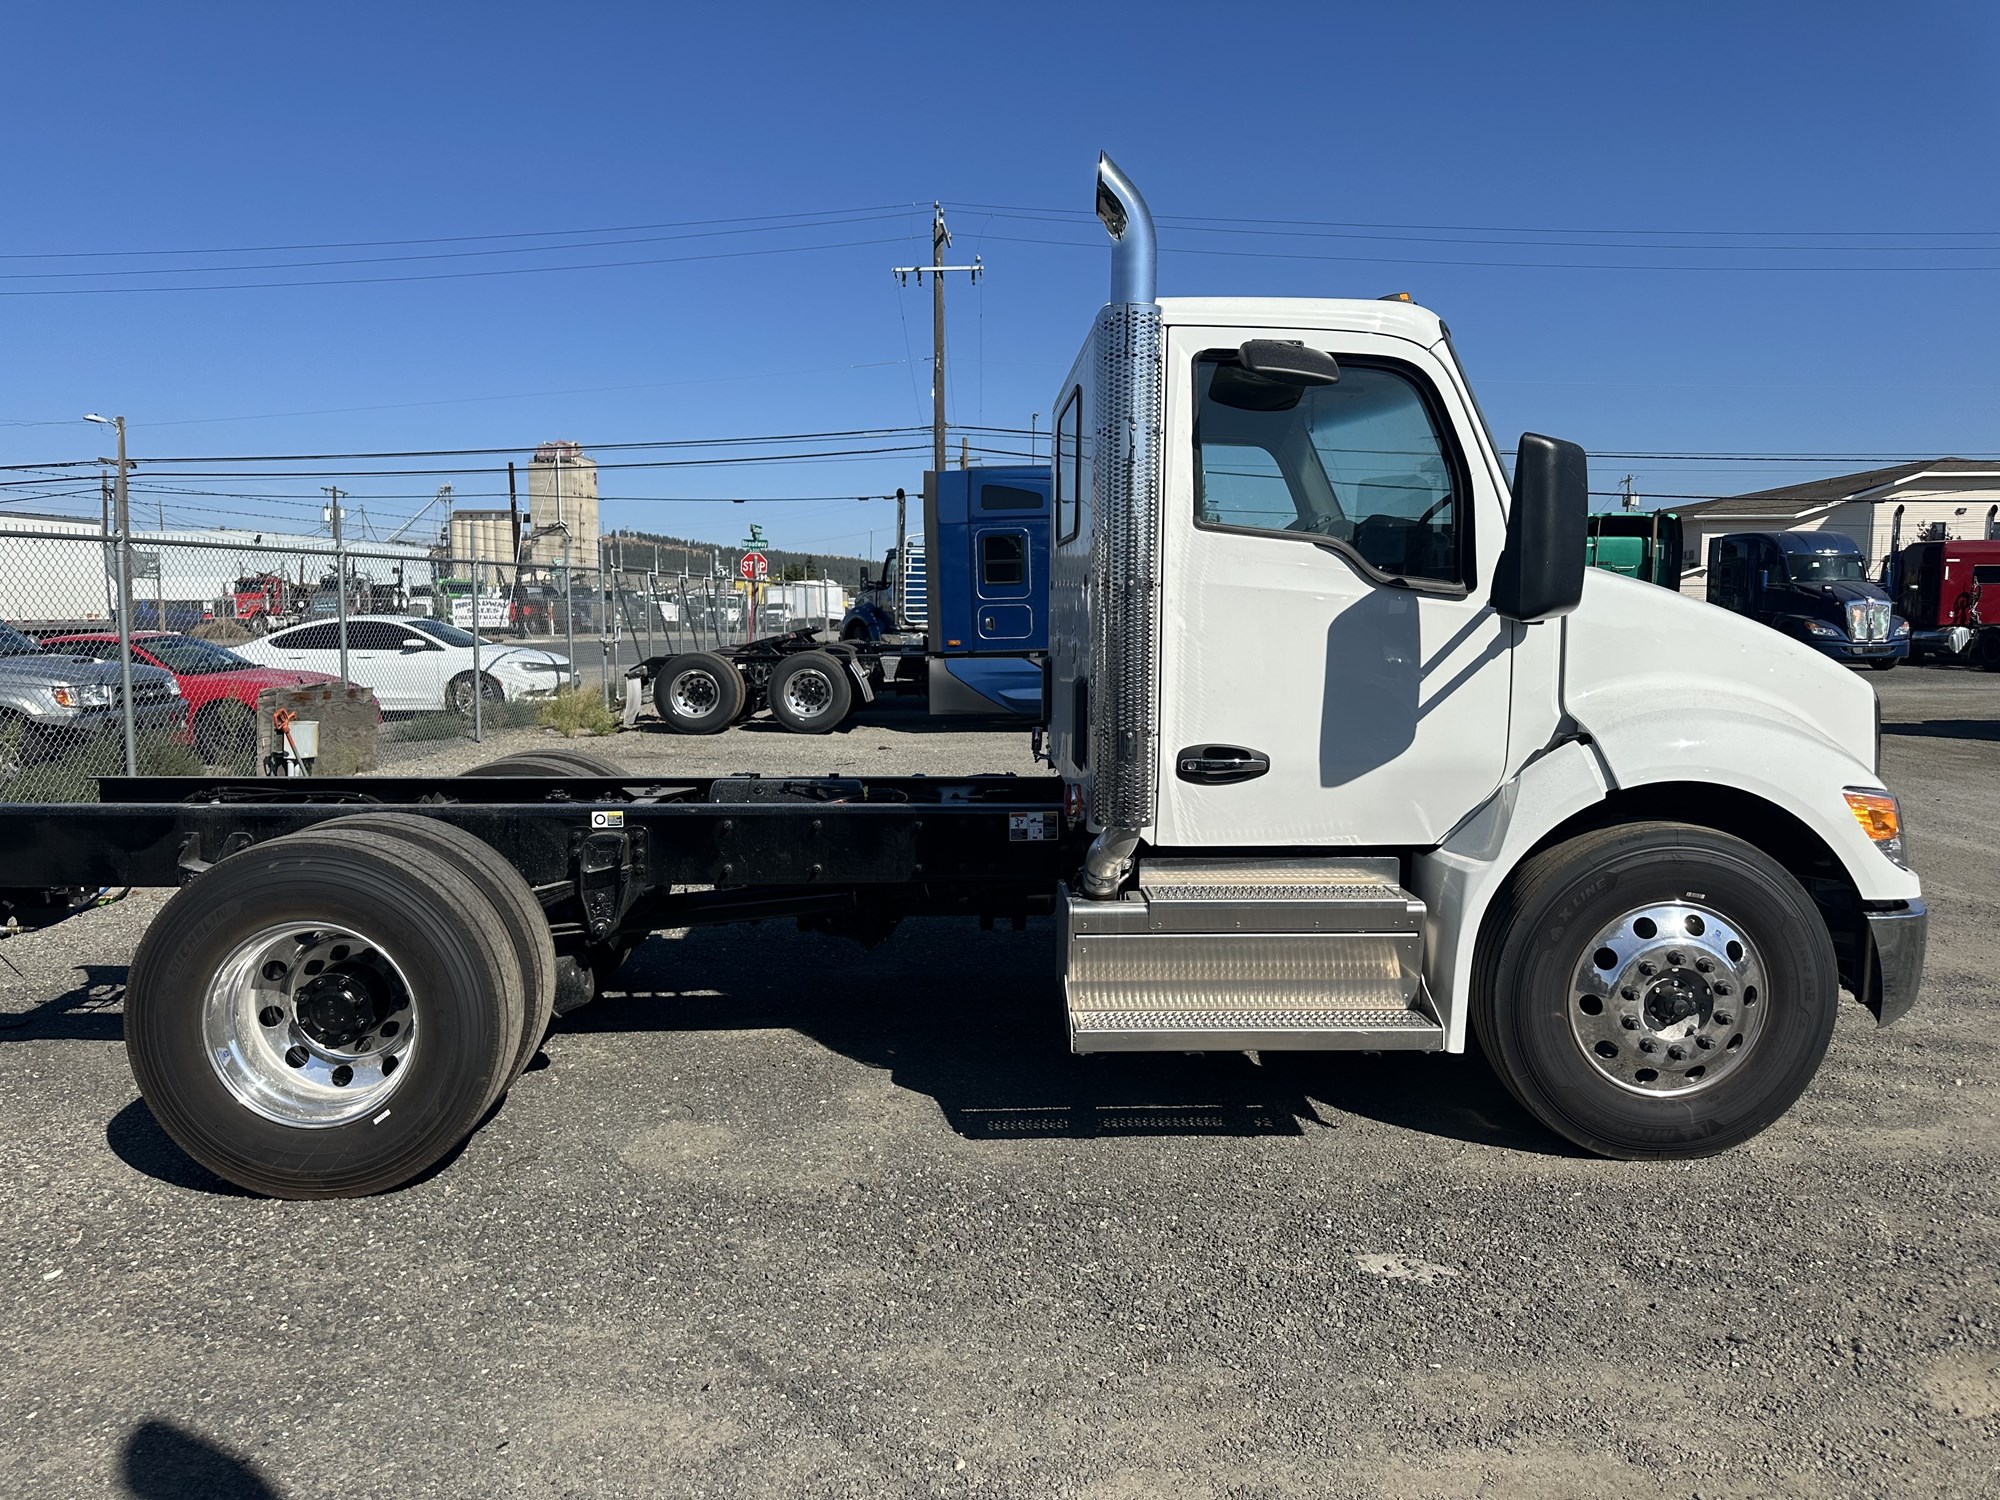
<point x="1125" y="501"/>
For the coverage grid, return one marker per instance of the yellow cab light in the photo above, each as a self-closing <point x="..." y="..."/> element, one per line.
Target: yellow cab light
<point x="1396" y="297"/>
<point x="1877" y="813"/>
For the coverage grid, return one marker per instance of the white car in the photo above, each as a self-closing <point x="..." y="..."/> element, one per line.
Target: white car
<point x="414" y="665"/>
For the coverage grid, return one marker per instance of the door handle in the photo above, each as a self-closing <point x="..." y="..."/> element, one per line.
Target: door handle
<point x="1220" y="765"/>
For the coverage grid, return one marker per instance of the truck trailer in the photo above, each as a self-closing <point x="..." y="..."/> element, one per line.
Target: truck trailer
<point x="976" y="648"/>
<point x="1469" y="797"/>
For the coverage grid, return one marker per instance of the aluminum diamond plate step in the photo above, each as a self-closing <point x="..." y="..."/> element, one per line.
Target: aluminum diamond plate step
<point x="1306" y="1029"/>
<point x="1250" y="954"/>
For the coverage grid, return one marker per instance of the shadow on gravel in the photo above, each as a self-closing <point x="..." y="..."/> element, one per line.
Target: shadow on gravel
<point x="975" y="1021"/>
<point x="165" y="1462"/>
<point x="88" y="1012"/>
<point x="1948" y="729"/>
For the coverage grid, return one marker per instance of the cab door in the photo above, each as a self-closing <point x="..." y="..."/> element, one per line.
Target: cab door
<point x="1331" y="671"/>
<point x="1002" y="585"/>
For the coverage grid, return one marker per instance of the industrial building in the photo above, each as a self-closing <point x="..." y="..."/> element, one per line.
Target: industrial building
<point x="562" y="505"/>
<point x="1883" y="510"/>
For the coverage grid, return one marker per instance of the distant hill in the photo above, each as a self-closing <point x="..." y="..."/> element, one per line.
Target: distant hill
<point x="673" y="555"/>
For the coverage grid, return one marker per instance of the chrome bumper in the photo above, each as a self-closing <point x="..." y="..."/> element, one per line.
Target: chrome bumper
<point x="1896" y="960"/>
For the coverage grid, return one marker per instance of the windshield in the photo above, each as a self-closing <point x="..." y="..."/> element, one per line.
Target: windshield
<point x="13" y="643"/>
<point x="1824" y="567"/>
<point x="189" y="657"/>
<point x="451" y="635"/>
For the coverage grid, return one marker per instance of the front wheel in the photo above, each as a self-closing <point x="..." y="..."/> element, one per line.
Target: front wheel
<point x="1882" y="664"/>
<point x="458" y="693"/>
<point x="1655" y="990"/>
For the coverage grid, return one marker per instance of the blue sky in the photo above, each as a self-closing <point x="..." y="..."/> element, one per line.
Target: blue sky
<point x="1810" y="185"/>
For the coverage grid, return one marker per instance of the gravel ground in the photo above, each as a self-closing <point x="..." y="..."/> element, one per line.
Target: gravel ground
<point x="790" y="1219"/>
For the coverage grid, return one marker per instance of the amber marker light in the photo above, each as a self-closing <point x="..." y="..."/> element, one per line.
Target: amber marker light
<point x="1877" y="814"/>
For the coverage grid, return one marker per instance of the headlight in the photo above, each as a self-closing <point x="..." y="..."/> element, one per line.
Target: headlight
<point x="88" y="695"/>
<point x="1818" y="627"/>
<point x="1881" y="818"/>
<point x="1899" y="627"/>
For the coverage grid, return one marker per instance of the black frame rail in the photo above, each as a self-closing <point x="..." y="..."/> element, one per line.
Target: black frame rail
<point x="803" y="833"/>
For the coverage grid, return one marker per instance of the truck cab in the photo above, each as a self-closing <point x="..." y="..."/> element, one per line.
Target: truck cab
<point x="986" y="532"/>
<point x="1949" y="591"/>
<point x="1814" y="587"/>
<point x="1369" y="759"/>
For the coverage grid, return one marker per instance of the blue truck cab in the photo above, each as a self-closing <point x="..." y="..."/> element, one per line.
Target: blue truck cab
<point x="976" y="590"/>
<point x="986" y="546"/>
<point x="1813" y="586"/>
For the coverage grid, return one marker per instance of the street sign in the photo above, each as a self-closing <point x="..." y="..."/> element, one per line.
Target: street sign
<point x="755" y="567"/>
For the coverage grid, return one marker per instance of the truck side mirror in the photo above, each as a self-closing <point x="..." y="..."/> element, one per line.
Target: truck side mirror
<point x="1540" y="572"/>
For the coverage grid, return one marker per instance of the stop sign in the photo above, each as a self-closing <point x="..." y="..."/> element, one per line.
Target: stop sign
<point x="755" y="567"/>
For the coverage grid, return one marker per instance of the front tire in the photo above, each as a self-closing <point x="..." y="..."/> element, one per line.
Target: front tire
<point x="1882" y="664"/>
<point x="1655" y="990"/>
<point x="322" y="1016"/>
<point x="458" y="693"/>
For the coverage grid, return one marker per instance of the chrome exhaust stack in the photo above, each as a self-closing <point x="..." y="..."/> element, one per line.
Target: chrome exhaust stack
<point x="1125" y="506"/>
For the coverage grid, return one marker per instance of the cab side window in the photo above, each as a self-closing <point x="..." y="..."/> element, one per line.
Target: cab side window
<point x="1364" y="464"/>
<point x="1069" y="467"/>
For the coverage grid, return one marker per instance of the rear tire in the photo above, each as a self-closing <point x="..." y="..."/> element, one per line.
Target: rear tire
<point x="526" y="924"/>
<point x="698" y="693"/>
<point x="1986" y="649"/>
<point x="1672" y="1061"/>
<point x="810" y="693"/>
<point x="309" y="957"/>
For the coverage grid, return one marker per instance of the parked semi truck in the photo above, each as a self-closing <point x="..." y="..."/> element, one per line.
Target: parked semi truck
<point x="1812" y="586"/>
<point x="1638" y="544"/>
<point x="1950" y="593"/>
<point x="976" y="649"/>
<point x="1470" y="795"/>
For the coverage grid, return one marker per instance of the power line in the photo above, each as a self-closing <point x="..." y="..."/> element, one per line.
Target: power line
<point x="1523" y="265"/>
<point x="383" y="260"/>
<point x="243" y="286"/>
<point x="454" y="239"/>
<point x="595" y="447"/>
<point x="1185" y="220"/>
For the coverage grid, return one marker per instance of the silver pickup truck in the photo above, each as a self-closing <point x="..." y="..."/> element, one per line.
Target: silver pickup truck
<point x="51" y="704"/>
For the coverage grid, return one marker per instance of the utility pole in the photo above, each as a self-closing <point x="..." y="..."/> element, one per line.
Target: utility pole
<point x="119" y="500"/>
<point x="1631" y="500"/>
<point x="936" y="270"/>
<point x="339" y="573"/>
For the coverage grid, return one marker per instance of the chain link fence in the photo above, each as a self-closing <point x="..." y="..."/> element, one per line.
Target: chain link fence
<point x="255" y="657"/>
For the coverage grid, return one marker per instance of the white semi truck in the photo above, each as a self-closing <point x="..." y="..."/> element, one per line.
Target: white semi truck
<point x="1635" y="844"/>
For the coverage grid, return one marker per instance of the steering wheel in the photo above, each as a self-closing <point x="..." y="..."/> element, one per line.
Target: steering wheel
<point x="1442" y="501"/>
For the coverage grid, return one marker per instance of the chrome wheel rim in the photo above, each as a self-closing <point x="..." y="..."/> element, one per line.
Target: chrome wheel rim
<point x="694" y="693"/>
<point x="311" y="1025"/>
<point x="1669" y="999"/>
<point x="808" y="693"/>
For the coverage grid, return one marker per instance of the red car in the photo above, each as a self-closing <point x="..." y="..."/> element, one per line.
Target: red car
<point x="220" y="687"/>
